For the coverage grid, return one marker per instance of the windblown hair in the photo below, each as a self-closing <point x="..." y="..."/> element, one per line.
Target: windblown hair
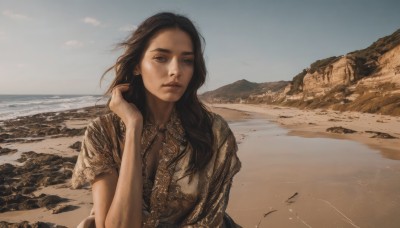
<point x="196" y="120"/>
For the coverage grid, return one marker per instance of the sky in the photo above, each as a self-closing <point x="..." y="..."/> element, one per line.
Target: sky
<point x="64" y="46"/>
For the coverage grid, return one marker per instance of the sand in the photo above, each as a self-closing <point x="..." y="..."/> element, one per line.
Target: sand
<point x="336" y="180"/>
<point x="313" y="123"/>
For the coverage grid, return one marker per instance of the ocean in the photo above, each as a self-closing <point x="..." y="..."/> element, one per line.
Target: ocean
<point x="12" y="106"/>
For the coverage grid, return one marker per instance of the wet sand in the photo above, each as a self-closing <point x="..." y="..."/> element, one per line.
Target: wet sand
<point x="332" y="182"/>
<point x="340" y="180"/>
<point x="314" y="123"/>
<point x="295" y="174"/>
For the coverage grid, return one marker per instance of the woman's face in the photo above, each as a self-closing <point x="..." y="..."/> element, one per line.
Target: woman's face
<point x="167" y="65"/>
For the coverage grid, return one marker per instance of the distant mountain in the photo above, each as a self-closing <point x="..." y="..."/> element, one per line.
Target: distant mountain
<point x="241" y="90"/>
<point x="366" y="80"/>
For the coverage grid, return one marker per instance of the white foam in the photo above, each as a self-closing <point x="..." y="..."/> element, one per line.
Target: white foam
<point x="25" y="106"/>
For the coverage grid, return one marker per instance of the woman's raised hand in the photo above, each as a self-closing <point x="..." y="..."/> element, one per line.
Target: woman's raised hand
<point x="128" y="112"/>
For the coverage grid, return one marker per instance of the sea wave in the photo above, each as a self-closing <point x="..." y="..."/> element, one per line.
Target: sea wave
<point x="16" y="106"/>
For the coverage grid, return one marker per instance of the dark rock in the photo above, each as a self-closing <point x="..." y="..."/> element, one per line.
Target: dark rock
<point x="340" y="130"/>
<point x="46" y="125"/>
<point x="4" y="191"/>
<point x="50" y="201"/>
<point x="5" y="136"/>
<point x="73" y="131"/>
<point x="22" y="202"/>
<point x="76" y="146"/>
<point x="18" y="182"/>
<point x="6" y="169"/>
<point x="381" y="135"/>
<point x="27" y="190"/>
<point x="4" y="151"/>
<point x="26" y="224"/>
<point x="285" y="117"/>
<point x="28" y="204"/>
<point x="23" y="224"/>
<point x="53" y="131"/>
<point x="26" y="155"/>
<point x="63" y="208"/>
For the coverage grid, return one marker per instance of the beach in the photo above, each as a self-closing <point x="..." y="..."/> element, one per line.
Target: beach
<point x="294" y="172"/>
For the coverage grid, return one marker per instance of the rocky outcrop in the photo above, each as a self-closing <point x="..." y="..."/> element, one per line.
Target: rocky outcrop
<point x="341" y="72"/>
<point x="46" y="125"/>
<point x="26" y="224"/>
<point x="17" y="183"/>
<point x="346" y="71"/>
<point x="389" y="70"/>
<point x="5" y="151"/>
<point x="367" y="80"/>
<point x="76" y="146"/>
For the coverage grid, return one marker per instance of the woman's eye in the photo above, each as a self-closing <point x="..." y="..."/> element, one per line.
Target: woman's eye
<point x="188" y="61"/>
<point x="160" y="59"/>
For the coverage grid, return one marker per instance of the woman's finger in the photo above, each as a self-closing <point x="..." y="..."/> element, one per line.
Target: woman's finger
<point x="119" y="89"/>
<point x="122" y="87"/>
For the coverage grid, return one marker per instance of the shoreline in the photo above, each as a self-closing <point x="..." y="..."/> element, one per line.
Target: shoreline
<point x="314" y="124"/>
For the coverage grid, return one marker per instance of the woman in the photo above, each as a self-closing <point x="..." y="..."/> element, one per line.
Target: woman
<point x="160" y="159"/>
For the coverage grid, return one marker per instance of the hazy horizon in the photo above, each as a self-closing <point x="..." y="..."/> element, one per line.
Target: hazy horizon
<point x="62" y="48"/>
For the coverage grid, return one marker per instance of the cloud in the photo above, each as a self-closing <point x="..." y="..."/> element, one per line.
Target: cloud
<point x="73" y="44"/>
<point x="16" y="16"/>
<point x="91" y="21"/>
<point x="128" y="28"/>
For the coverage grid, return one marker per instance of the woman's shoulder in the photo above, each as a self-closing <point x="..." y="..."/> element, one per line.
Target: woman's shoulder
<point x="104" y="122"/>
<point x="225" y="145"/>
<point x="218" y="122"/>
<point x="220" y="127"/>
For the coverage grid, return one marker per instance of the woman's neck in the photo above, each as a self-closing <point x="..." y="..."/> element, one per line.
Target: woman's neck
<point x="159" y="111"/>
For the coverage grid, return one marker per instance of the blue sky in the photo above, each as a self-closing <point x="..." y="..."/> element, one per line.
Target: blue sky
<point x="63" y="47"/>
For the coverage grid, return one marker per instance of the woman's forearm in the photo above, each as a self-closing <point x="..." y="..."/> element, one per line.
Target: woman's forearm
<point x="126" y="206"/>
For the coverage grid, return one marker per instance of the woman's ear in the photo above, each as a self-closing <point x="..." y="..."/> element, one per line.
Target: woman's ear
<point x="136" y="71"/>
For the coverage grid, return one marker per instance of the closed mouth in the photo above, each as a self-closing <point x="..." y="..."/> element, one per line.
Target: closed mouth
<point x="172" y="84"/>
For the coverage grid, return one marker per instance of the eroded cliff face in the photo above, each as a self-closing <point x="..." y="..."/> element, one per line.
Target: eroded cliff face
<point x="341" y="72"/>
<point x="389" y="70"/>
<point x="344" y="72"/>
<point x="366" y="80"/>
<point x="344" y="84"/>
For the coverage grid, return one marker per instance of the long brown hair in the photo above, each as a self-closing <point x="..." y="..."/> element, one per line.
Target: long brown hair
<point x="196" y="120"/>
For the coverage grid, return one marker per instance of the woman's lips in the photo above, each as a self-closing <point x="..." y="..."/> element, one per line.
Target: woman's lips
<point x="172" y="84"/>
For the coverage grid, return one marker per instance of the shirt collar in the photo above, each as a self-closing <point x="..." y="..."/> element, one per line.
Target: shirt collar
<point x="173" y="126"/>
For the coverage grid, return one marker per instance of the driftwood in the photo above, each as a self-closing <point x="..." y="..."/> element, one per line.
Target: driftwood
<point x="265" y="215"/>
<point x="289" y="200"/>
<point x="292" y="198"/>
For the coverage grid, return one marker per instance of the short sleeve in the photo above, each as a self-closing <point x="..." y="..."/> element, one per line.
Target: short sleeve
<point x="95" y="157"/>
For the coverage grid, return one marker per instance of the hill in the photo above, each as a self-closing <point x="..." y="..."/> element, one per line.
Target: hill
<point x="241" y="90"/>
<point x="366" y="80"/>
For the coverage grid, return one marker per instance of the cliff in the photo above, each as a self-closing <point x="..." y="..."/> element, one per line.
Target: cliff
<point x="366" y="80"/>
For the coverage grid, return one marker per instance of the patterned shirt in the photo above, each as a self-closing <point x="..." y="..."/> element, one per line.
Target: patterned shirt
<point x="171" y="198"/>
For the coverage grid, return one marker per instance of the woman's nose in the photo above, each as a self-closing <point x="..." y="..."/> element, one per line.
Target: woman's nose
<point x="174" y="68"/>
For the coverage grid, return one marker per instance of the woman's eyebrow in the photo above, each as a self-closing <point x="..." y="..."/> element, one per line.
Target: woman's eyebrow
<point x="169" y="51"/>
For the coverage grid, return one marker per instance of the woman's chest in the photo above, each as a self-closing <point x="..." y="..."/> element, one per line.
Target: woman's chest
<point x="168" y="190"/>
